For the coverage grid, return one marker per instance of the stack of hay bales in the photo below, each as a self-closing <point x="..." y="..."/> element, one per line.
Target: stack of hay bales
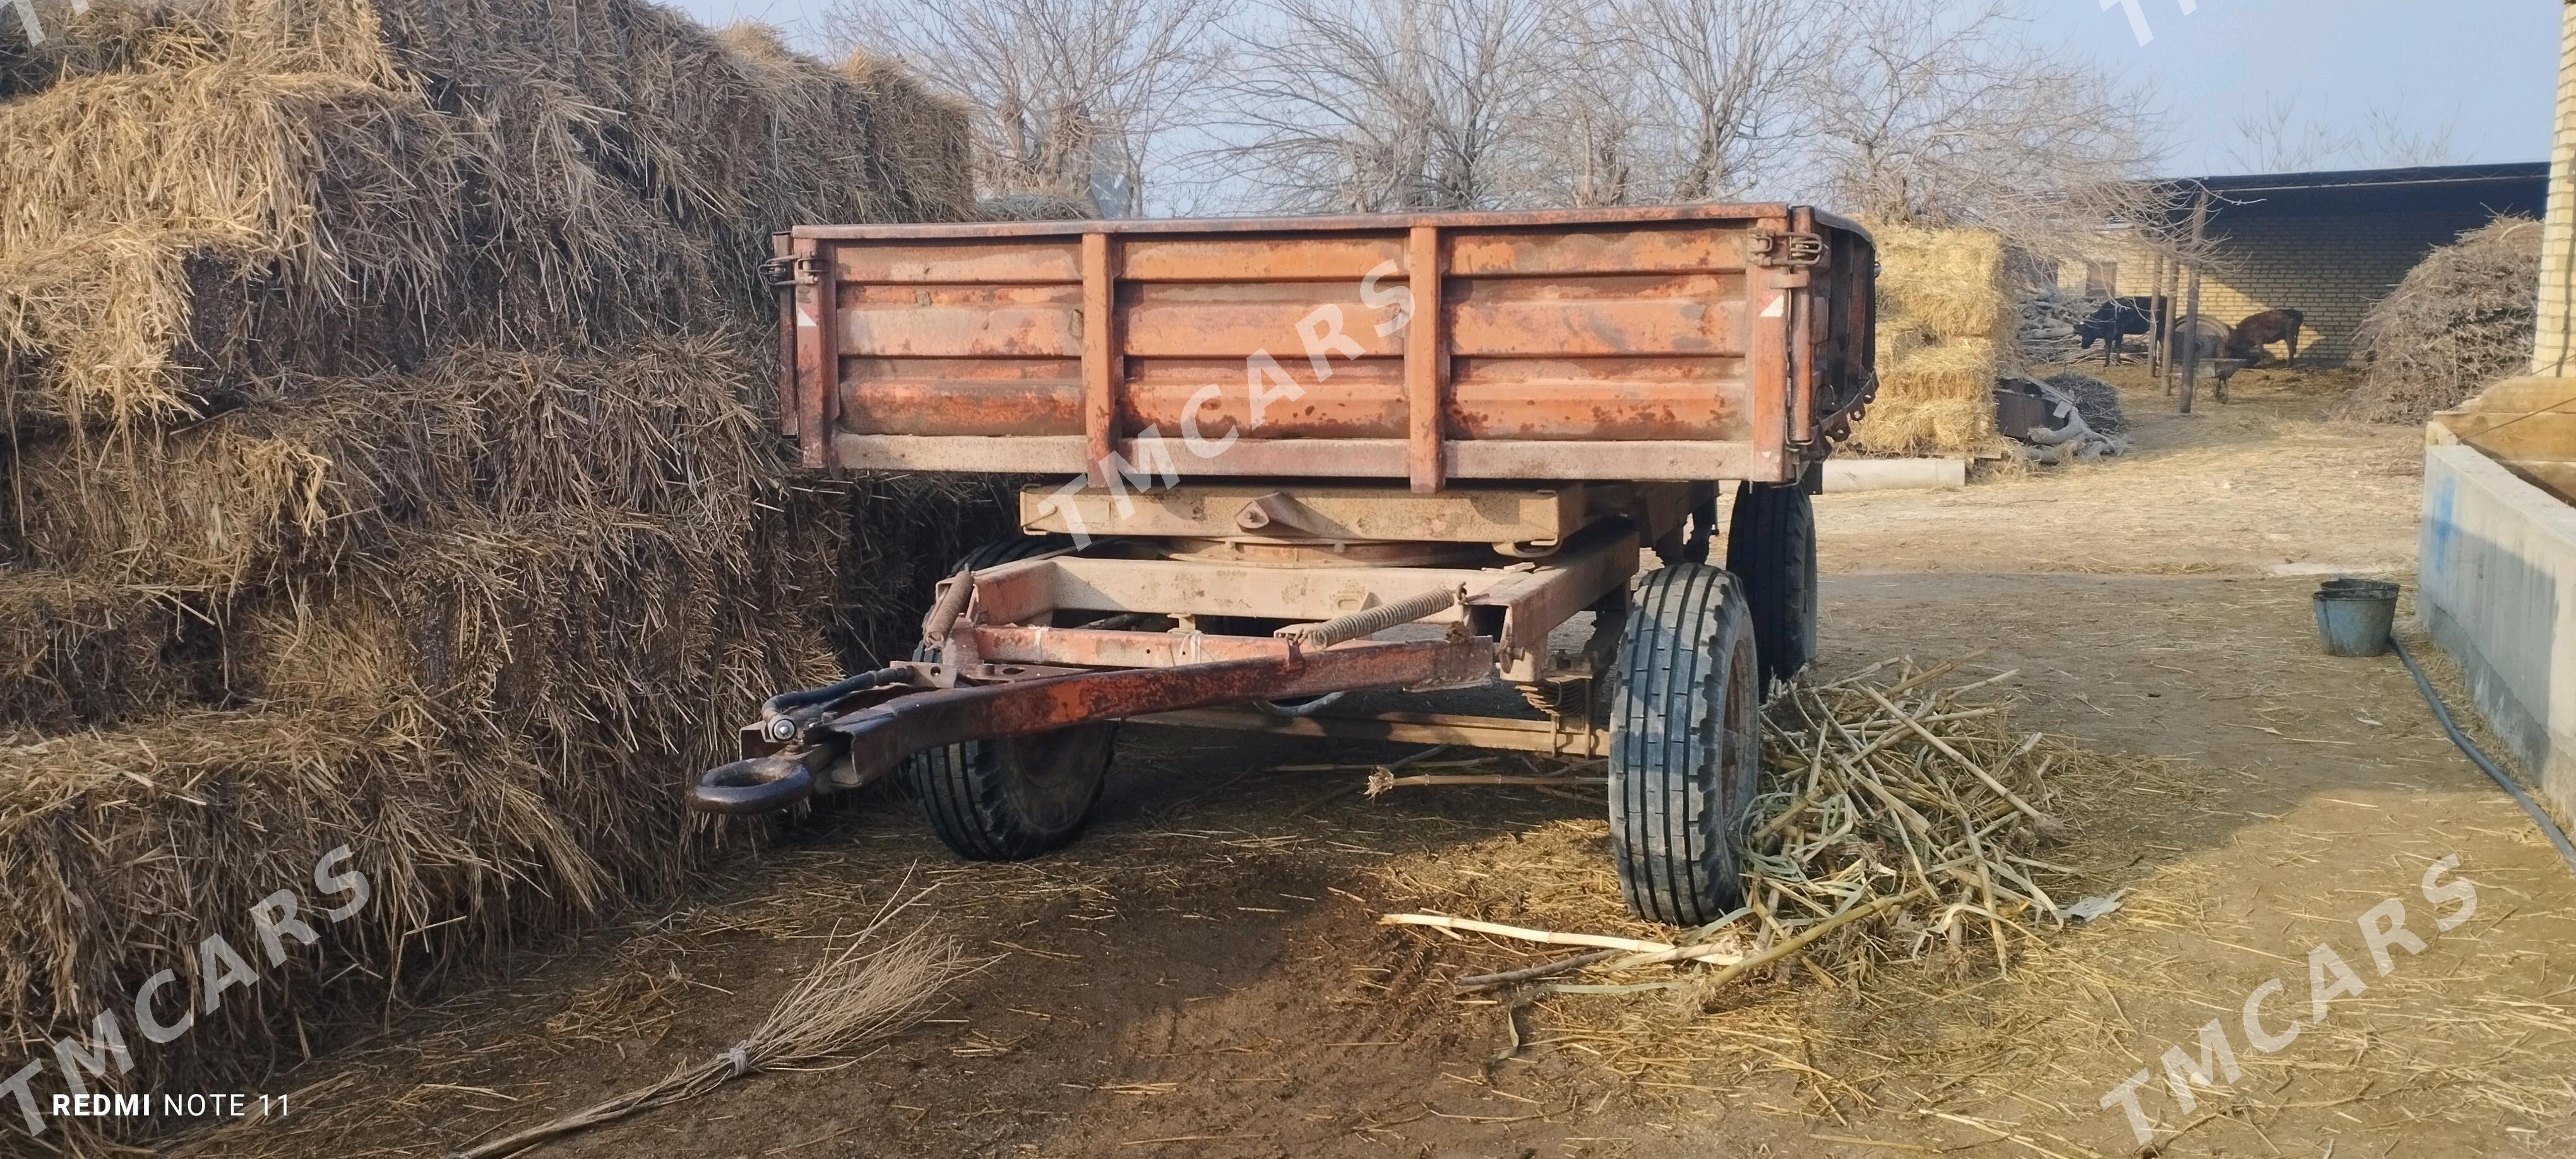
<point x="2460" y="320"/>
<point x="390" y="463"/>
<point x="1945" y="328"/>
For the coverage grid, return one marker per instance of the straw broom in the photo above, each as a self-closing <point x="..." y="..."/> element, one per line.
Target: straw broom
<point x="871" y="989"/>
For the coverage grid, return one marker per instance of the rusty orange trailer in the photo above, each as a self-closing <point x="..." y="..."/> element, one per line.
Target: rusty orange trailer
<point x="1302" y="458"/>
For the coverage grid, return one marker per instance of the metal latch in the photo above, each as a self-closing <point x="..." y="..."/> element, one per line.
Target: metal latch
<point x="1786" y="249"/>
<point x="795" y="270"/>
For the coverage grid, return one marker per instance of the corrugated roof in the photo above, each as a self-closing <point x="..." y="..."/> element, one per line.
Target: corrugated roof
<point x="2366" y="178"/>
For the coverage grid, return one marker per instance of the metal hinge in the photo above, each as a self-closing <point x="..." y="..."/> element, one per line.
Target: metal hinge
<point x="1786" y="249"/>
<point x="798" y="270"/>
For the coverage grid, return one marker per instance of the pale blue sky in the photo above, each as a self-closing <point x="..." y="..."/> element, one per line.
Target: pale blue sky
<point x="2482" y="70"/>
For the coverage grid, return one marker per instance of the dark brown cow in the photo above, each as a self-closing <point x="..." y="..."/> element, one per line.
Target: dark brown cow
<point x="2257" y="331"/>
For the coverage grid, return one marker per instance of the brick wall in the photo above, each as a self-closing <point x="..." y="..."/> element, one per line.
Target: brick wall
<point x="2555" y="351"/>
<point x="2331" y="267"/>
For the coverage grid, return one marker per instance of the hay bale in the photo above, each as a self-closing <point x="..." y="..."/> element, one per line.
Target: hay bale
<point x="1949" y="281"/>
<point x="122" y="849"/>
<point x="413" y="356"/>
<point x="2460" y="320"/>
<point x="1944" y="327"/>
<point x="1961" y="368"/>
<point x="305" y="190"/>
<point x="310" y="469"/>
<point x="77" y="651"/>
<point x="1932" y="400"/>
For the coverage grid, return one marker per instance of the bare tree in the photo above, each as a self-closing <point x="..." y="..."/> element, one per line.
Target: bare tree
<point x="1952" y="119"/>
<point x="1589" y="137"/>
<point x="1073" y="99"/>
<point x="2278" y="138"/>
<point x="1728" y="73"/>
<point x="1383" y="105"/>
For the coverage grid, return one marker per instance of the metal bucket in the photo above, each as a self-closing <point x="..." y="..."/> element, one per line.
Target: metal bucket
<point x="2354" y="615"/>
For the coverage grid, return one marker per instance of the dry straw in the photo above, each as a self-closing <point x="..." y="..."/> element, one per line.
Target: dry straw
<point x="1901" y="817"/>
<point x="2461" y="319"/>
<point x="1945" y="324"/>
<point x="873" y="987"/>
<point x="391" y="462"/>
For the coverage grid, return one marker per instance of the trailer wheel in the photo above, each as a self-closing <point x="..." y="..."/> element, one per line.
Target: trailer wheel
<point x="1684" y="744"/>
<point x="1010" y="549"/>
<point x="1017" y="797"/>
<point x="1771" y="548"/>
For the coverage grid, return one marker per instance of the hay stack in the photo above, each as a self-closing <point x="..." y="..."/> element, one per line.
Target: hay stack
<point x="390" y="464"/>
<point x="2460" y="320"/>
<point x="1944" y="321"/>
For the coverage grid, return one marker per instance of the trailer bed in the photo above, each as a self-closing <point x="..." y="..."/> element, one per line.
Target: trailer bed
<point x="1678" y="343"/>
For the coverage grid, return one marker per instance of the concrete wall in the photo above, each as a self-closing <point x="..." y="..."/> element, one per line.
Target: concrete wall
<point x="2496" y="585"/>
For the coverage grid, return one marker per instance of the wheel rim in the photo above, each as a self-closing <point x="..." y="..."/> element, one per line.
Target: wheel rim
<point x="1053" y="777"/>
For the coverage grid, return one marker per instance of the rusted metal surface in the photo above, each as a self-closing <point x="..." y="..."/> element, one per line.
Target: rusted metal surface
<point x="1482" y="513"/>
<point x="1677" y="340"/>
<point x="1090" y="648"/>
<point x="1512" y="734"/>
<point x="781" y="275"/>
<point x="1100" y="365"/>
<point x="1770" y="302"/>
<point x="1023" y="593"/>
<point x="818" y="356"/>
<point x="1348" y="223"/>
<point x="1591" y="566"/>
<point x="1370" y="621"/>
<point x="879" y="737"/>
<point x="1426" y="369"/>
<point x="1554" y="459"/>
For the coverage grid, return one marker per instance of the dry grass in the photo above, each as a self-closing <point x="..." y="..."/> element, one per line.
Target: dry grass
<point x="1950" y="281"/>
<point x="1858" y="811"/>
<point x="74" y="648"/>
<point x="2461" y="319"/>
<point x="873" y="987"/>
<point x="1944" y="326"/>
<point x="390" y="462"/>
<point x="288" y="192"/>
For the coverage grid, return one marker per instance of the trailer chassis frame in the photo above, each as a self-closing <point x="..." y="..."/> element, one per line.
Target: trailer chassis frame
<point x="1004" y="669"/>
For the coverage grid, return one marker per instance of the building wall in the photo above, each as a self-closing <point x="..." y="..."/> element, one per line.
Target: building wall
<point x="2330" y="267"/>
<point x="2554" y="352"/>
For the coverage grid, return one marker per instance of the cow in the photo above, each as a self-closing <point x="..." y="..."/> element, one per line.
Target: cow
<point x="2118" y="318"/>
<point x="2247" y="340"/>
<point x="2199" y="340"/>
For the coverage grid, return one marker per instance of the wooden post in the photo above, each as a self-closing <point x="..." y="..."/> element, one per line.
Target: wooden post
<point x="2170" y="289"/>
<point x="2191" y="303"/>
<point x="2157" y="309"/>
<point x="1426" y="362"/>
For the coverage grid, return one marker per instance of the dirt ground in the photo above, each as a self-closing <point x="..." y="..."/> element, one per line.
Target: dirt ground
<point x="1203" y="975"/>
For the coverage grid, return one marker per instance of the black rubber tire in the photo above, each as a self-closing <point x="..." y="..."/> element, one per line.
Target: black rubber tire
<point x="1771" y="548"/>
<point x="1685" y="745"/>
<point x="1015" y="798"/>
<point x="1009" y="549"/>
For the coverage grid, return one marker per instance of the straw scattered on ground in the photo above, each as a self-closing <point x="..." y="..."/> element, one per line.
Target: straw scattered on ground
<point x="1903" y="837"/>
